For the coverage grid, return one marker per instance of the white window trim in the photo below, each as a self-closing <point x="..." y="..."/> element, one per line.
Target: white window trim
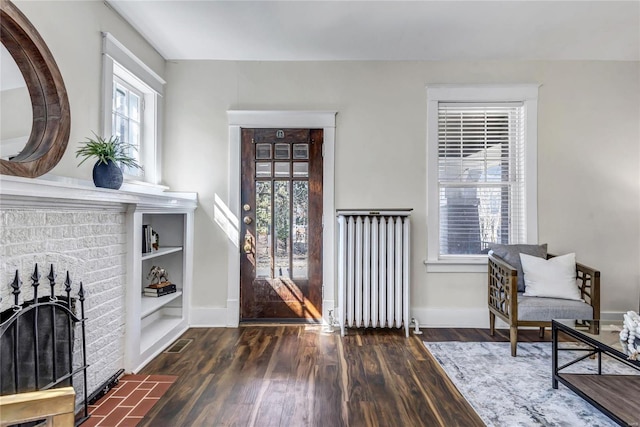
<point x="114" y="54"/>
<point x="528" y="94"/>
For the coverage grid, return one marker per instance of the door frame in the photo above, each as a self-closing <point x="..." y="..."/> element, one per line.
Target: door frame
<point x="325" y="120"/>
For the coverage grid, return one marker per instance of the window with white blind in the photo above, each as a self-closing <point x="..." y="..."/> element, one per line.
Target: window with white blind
<point x="481" y="163"/>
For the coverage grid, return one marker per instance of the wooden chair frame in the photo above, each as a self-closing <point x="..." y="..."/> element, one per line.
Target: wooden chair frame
<point x="56" y="406"/>
<point x="503" y="296"/>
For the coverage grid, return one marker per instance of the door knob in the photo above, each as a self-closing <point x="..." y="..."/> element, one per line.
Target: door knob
<point x="247" y="220"/>
<point x="247" y="244"/>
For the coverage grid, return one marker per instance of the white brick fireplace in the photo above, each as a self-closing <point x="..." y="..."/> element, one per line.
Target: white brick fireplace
<point x="82" y="229"/>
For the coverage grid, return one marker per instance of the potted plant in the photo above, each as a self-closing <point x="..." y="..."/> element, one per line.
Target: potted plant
<point x="111" y="155"/>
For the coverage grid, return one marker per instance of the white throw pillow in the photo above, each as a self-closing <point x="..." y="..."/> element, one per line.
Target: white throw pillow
<point x="551" y="278"/>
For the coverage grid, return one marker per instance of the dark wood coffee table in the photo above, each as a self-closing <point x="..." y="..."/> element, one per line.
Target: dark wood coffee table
<point x="617" y="396"/>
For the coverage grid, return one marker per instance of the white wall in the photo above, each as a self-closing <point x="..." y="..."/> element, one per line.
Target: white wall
<point x="589" y="150"/>
<point x="15" y="121"/>
<point x="72" y="31"/>
<point x="15" y="106"/>
<point x="589" y="157"/>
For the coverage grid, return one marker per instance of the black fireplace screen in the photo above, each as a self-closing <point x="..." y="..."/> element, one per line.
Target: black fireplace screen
<point x="37" y="340"/>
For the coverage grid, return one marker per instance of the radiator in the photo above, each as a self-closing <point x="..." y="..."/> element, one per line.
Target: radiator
<point x="373" y="269"/>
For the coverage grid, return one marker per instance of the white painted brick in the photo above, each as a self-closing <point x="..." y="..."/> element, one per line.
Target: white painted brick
<point x="91" y="245"/>
<point x="53" y="232"/>
<point x="85" y="217"/>
<point x="98" y="311"/>
<point x="62" y="245"/>
<point x="113" y="324"/>
<point x="53" y="219"/>
<point x="18" y="234"/>
<point x="18" y="218"/>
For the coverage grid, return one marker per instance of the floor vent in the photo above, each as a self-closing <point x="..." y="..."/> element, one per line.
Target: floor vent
<point x="179" y="345"/>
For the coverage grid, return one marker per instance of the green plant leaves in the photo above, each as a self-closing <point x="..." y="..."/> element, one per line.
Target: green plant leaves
<point x="108" y="149"/>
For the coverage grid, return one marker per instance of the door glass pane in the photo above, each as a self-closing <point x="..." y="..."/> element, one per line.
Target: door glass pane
<point x="263" y="151"/>
<point x="300" y="229"/>
<point x="301" y="169"/>
<point x="263" y="228"/>
<point x="282" y="169"/>
<point x="300" y="151"/>
<point x="283" y="151"/>
<point x="282" y="225"/>
<point x="263" y="169"/>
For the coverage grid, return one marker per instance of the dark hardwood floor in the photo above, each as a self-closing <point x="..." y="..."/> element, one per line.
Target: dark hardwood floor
<point x="300" y="375"/>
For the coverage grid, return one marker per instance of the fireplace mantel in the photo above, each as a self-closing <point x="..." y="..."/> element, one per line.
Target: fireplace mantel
<point x="61" y="192"/>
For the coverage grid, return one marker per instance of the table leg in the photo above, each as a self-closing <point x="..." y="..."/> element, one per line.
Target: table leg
<point x="554" y="356"/>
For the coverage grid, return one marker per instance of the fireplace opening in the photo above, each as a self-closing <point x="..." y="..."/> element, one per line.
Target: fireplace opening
<point x="42" y="341"/>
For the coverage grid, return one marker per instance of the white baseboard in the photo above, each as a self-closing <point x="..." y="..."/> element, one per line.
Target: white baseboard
<point x="204" y="317"/>
<point x="472" y="317"/>
<point x="612" y="316"/>
<point x="426" y="317"/>
<point x="451" y="317"/>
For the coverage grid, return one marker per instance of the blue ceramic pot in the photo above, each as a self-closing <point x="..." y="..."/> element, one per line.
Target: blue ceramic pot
<point x="107" y="175"/>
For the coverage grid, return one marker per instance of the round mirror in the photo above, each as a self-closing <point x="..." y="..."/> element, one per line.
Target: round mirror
<point x="15" y="104"/>
<point x="50" y="123"/>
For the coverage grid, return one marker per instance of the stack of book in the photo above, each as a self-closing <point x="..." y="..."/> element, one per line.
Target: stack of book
<point x="147" y="235"/>
<point x="159" y="289"/>
<point x="149" y="239"/>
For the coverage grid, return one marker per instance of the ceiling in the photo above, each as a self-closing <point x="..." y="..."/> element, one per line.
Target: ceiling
<point x="387" y="30"/>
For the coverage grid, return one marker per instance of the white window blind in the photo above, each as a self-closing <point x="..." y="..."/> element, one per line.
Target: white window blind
<point x="481" y="182"/>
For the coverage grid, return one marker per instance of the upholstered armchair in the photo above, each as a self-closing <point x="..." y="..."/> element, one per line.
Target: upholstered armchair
<point x="516" y="309"/>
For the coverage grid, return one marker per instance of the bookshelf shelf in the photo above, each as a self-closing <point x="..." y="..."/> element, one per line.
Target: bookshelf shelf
<point x="153" y="323"/>
<point x="161" y="251"/>
<point x="157" y="331"/>
<point x="151" y="304"/>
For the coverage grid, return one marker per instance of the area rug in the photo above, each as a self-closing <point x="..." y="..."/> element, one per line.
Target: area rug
<point x="128" y="402"/>
<point x="510" y="391"/>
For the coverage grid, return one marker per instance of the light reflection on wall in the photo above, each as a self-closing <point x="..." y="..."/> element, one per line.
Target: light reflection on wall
<point x="226" y="220"/>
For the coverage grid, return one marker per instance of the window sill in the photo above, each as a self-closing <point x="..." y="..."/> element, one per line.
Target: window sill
<point x="456" y="266"/>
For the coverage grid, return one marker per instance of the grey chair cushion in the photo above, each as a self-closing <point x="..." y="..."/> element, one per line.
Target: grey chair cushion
<point x="545" y="309"/>
<point x="511" y="254"/>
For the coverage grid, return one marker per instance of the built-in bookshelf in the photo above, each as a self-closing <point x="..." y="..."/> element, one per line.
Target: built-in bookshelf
<point x="154" y="322"/>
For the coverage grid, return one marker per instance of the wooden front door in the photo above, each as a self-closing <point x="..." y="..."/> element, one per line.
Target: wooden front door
<point x="281" y="235"/>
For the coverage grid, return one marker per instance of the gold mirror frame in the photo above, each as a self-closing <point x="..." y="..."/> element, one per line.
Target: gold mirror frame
<point x="51" y="116"/>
